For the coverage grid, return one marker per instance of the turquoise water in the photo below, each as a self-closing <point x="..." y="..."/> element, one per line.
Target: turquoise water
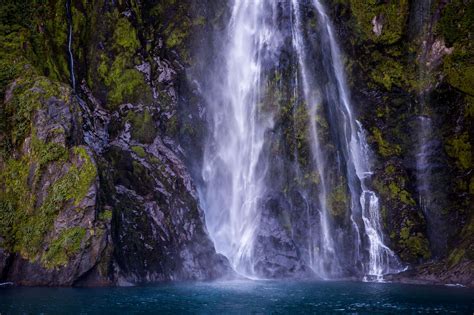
<point x="241" y="297"/>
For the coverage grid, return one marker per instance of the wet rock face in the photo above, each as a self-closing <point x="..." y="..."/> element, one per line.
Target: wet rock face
<point x="158" y="228"/>
<point x="92" y="182"/>
<point x="438" y="274"/>
<point x="53" y="203"/>
<point x="276" y="254"/>
<point x="413" y="116"/>
<point x="4" y="259"/>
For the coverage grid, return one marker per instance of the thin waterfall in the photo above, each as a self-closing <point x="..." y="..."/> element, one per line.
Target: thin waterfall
<point x="69" y="44"/>
<point x="424" y="129"/>
<point x="429" y="166"/>
<point x="326" y="252"/>
<point x="381" y="260"/>
<point x="234" y="163"/>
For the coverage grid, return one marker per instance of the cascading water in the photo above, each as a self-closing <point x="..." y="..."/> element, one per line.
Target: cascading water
<point x="69" y="44"/>
<point x="429" y="166"/>
<point x="234" y="166"/>
<point x="325" y="244"/>
<point x="381" y="259"/>
<point x="364" y="202"/>
<point x="236" y="159"/>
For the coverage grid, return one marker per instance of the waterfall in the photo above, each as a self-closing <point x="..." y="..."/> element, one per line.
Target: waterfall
<point x="381" y="259"/>
<point x="429" y="166"/>
<point x="236" y="157"/>
<point x="234" y="163"/>
<point x="69" y="44"/>
<point x="326" y="245"/>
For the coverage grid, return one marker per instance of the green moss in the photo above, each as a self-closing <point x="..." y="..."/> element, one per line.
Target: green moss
<point x="415" y="243"/>
<point x="388" y="73"/>
<point x="143" y="126"/>
<point x="390" y="170"/>
<point x="18" y="28"/>
<point x="300" y="132"/>
<point x="14" y="195"/>
<point x="384" y="215"/>
<point x="125" y="36"/>
<point x="140" y="171"/>
<point x="64" y="247"/>
<point x="455" y="26"/>
<point x="176" y="37"/>
<point x="339" y="201"/>
<point x="115" y="65"/>
<point x="456" y="256"/>
<point x="45" y="153"/>
<point x="401" y="194"/>
<point x="105" y="215"/>
<point x="139" y="151"/>
<point x="82" y="177"/>
<point x="8" y="71"/>
<point x="29" y="93"/>
<point x="393" y="14"/>
<point x="103" y="68"/>
<point x="172" y="127"/>
<point x="24" y="224"/>
<point x="32" y="225"/>
<point x="460" y="75"/>
<point x="384" y="148"/>
<point x="313" y="177"/>
<point x="177" y="20"/>
<point x="460" y="149"/>
<point x="127" y="85"/>
<point x="457" y="18"/>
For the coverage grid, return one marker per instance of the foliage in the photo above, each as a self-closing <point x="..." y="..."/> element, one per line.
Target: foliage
<point x="65" y="246"/>
<point x="460" y="148"/>
<point x="143" y="126"/>
<point x="393" y="14"/>
<point x="27" y="221"/>
<point x="339" y="201"/>
<point x="139" y="151"/>
<point x="416" y="243"/>
<point x="116" y="63"/>
<point x="385" y="149"/>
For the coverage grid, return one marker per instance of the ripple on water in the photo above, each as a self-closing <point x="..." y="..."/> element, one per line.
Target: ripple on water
<point x="242" y="297"/>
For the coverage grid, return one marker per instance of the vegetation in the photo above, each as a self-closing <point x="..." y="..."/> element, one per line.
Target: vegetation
<point x="460" y="149"/>
<point x="124" y="82"/>
<point x="64" y="247"/>
<point x="143" y="126"/>
<point x="392" y="14"/>
<point x="339" y="201"/>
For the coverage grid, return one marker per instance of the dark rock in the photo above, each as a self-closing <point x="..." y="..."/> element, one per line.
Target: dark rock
<point x="276" y="254"/>
<point x="438" y="274"/>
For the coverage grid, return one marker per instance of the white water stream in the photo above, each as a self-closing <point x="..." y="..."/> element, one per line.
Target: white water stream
<point x="235" y="162"/>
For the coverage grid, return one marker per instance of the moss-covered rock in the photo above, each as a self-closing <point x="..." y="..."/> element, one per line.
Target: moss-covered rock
<point x="339" y="201"/>
<point x="67" y="244"/>
<point x="143" y="126"/>
<point x="460" y="149"/>
<point x="391" y="15"/>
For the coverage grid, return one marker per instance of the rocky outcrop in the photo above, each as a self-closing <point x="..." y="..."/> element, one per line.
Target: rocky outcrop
<point x="276" y="254"/>
<point x="441" y="273"/>
<point x="94" y="192"/>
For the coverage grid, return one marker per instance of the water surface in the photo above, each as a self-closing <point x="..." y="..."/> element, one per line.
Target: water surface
<point x="241" y="297"/>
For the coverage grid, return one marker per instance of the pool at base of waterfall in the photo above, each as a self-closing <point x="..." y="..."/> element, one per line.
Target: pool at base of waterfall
<point x="241" y="297"/>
